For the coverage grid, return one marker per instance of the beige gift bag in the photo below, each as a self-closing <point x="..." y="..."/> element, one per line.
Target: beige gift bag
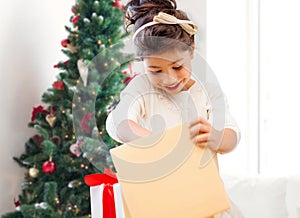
<point x="160" y="176"/>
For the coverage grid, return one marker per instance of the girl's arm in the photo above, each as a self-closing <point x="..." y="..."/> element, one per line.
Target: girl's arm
<point x="204" y="135"/>
<point x="229" y="141"/>
<point x="129" y="130"/>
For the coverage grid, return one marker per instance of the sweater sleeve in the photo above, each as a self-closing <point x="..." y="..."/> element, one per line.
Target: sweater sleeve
<point x="130" y="107"/>
<point x="230" y="121"/>
<point x="222" y="113"/>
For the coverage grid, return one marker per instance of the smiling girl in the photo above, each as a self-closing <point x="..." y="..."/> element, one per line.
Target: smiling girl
<point x="167" y="94"/>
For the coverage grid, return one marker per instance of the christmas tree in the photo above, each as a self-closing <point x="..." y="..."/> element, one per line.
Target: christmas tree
<point x="71" y="140"/>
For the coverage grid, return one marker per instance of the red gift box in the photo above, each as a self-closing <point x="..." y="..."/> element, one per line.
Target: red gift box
<point x="106" y="197"/>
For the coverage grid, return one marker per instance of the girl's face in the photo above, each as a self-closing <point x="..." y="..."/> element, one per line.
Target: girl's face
<point x="170" y="71"/>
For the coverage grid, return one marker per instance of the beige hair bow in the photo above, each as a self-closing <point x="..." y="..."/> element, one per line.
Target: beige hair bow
<point x="165" y="18"/>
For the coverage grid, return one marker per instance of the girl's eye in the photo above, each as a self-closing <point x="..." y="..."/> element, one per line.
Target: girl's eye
<point x="178" y="68"/>
<point x="155" y="72"/>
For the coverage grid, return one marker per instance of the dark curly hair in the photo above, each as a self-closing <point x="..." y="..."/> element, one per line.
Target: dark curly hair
<point x="159" y="37"/>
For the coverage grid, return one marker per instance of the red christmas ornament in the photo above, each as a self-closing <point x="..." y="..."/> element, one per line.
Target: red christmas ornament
<point x="49" y="167"/>
<point x="74" y="9"/>
<point x="52" y="110"/>
<point x="64" y="63"/>
<point x="128" y="79"/>
<point x="58" y="85"/>
<point x="75" y="148"/>
<point x="17" y="204"/>
<point x="36" y="110"/>
<point x="65" y="42"/>
<point x="130" y="71"/>
<point x="84" y="123"/>
<point x="75" y="19"/>
<point x="118" y="4"/>
<point x="56" y="140"/>
<point x="37" y="139"/>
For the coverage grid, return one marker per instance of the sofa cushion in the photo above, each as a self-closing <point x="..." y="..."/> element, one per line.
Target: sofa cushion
<point x="258" y="196"/>
<point x="293" y="196"/>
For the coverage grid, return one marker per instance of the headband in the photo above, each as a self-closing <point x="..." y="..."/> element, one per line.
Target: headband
<point x="163" y="18"/>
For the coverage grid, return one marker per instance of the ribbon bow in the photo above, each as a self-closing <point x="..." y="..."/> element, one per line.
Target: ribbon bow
<point x="165" y="18"/>
<point x="108" y="179"/>
<point x="98" y="179"/>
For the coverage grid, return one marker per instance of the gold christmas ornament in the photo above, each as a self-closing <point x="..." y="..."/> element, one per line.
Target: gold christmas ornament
<point x="83" y="71"/>
<point x="74" y="184"/>
<point x="72" y="48"/>
<point x="51" y="118"/>
<point x="77" y="210"/>
<point x="33" y="172"/>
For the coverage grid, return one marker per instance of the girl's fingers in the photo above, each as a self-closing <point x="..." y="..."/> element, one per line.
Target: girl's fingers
<point x="203" y="145"/>
<point x="201" y="138"/>
<point x="200" y="128"/>
<point x="200" y="131"/>
<point x="200" y="120"/>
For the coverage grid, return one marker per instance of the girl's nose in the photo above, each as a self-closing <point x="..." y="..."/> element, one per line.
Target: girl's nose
<point x="169" y="78"/>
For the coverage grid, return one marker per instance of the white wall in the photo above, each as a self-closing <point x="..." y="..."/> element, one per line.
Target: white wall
<point x="30" y="37"/>
<point x="228" y="54"/>
<point x="280" y="76"/>
<point x="253" y="47"/>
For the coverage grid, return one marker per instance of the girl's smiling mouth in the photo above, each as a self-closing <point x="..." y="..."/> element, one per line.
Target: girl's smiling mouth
<point x="173" y="86"/>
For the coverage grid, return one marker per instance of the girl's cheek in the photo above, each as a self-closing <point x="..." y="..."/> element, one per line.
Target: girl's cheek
<point x="153" y="79"/>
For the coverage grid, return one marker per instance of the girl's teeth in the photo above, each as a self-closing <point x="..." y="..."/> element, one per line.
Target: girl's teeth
<point x="172" y="86"/>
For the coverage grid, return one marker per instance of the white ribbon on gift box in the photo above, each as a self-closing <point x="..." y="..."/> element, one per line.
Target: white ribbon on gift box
<point x="118" y="201"/>
<point x="96" y="193"/>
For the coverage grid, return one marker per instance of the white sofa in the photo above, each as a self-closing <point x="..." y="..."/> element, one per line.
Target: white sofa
<point x="265" y="196"/>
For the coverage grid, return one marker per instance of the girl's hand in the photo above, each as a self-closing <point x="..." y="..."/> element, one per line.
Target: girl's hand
<point x="128" y="130"/>
<point x="203" y="135"/>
